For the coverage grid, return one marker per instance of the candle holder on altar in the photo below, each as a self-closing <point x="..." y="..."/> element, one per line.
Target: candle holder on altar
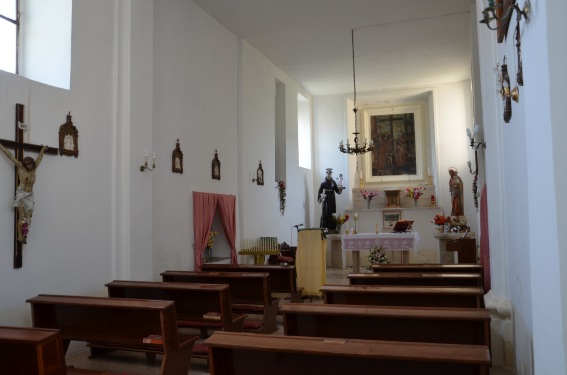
<point x="355" y="230"/>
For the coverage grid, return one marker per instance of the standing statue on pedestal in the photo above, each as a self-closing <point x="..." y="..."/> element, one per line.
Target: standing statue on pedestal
<point x="326" y="195"/>
<point x="457" y="217"/>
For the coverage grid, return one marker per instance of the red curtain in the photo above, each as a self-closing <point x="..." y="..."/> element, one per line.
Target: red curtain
<point x="484" y="239"/>
<point x="227" y="205"/>
<point x="204" y="207"/>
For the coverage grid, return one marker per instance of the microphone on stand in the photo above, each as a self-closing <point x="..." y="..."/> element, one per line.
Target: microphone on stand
<point x="297" y="226"/>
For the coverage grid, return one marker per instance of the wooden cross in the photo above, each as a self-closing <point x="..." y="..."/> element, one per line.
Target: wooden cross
<point x="19" y="146"/>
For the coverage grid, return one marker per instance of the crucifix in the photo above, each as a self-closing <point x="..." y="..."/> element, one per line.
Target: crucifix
<point x="24" y="168"/>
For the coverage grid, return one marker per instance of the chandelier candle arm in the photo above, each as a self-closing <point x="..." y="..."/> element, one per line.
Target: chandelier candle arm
<point x="357" y="148"/>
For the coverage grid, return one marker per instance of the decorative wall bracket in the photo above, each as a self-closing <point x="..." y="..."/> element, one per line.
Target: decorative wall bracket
<point x="475" y="146"/>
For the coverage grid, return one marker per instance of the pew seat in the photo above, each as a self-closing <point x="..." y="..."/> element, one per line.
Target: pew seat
<point x="110" y="324"/>
<point x="35" y="351"/>
<point x="250" y="293"/>
<point x="244" y="353"/>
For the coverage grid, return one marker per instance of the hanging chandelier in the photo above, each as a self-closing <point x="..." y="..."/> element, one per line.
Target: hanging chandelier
<point x="357" y="148"/>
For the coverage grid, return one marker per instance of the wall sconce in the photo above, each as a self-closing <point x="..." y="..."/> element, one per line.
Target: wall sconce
<point x="489" y="14"/>
<point x="144" y="166"/>
<point x="475" y="146"/>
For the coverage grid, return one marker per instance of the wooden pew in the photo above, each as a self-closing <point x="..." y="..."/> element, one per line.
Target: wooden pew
<point x="392" y="323"/>
<point x="117" y="324"/>
<point x="429" y="267"/>
<point x="250" y="293"/>
<point x="416" y="279"/>
<point x="283" y="279"/>
<point x="192" y="302"/>
<point x="244" y="353"/>
<point x="404" y="295"/>
<point x="35" y="351"/>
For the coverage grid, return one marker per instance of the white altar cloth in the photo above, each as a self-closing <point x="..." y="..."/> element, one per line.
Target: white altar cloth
<point x="389" y="241"/>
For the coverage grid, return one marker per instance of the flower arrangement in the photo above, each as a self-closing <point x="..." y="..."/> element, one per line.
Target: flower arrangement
<point x="377" y="256"/>
<point x="440" y="220"/>
<point x="414" y="193"/>
<point x="340" y="220"/>
<point x="281" y="188"/>
<point x="368" y="195"/>
<point x="211" y="240"/>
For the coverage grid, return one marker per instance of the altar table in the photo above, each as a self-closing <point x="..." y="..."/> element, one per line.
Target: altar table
<point x="389" y="241"/>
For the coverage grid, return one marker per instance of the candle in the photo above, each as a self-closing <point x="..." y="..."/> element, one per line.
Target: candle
<point x="355" y="215"/>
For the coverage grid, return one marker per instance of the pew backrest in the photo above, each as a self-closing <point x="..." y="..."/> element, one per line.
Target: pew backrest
<point x="392" y="323"/>
<point x="403" y="295"/>
<point x="283" y="279"/>
<point x="429" y="267"/>
<point x="416" y="278"/>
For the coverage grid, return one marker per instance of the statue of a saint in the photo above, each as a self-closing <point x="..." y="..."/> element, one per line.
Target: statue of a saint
<point x="457" y="217"/>
<point x="326" y="196"/>
<point x="24" y="200"/>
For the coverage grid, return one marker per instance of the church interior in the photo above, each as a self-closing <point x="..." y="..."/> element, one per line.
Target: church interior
<point x="297" y="134"/>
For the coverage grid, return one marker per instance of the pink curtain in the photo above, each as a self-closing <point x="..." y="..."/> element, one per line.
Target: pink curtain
<point x="204" y="207"/>
<point x="227" y="205"/>
<point x="484" y="239"/>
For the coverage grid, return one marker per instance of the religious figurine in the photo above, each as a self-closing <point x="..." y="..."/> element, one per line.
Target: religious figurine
<point x="326" y="196"/>
<point x="340" y="179"/>
<point x="457" y="217"/>
<point x="24" y="200"/>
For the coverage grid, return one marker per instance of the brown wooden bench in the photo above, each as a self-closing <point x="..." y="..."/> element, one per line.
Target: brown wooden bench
<point x="246" y="353"/>
<point x="392" y="323"/>
<point x="117" y="324"/>
<point x="429" y="267"/>
<point x="192" y="302"/>
<point x="416" y="278"/>
<point x="283" y="279"/>
<point x="35" y="351"/>
<point x="250" y="293"/>
<point x="404" y="295"/>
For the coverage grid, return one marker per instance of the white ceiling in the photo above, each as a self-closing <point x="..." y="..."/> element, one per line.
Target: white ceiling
<point x="398" y="43"/>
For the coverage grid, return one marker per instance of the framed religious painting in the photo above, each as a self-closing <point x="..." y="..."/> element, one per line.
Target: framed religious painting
<point x="177" y="159"/>
<point x="389" y="219"/>
<point x="216" y="167"/>
<point x="68" y="138"/>
<point x="399" y="137"/>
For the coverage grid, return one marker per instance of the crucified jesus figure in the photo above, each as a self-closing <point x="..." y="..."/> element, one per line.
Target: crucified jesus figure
<point x="23" y="200"/>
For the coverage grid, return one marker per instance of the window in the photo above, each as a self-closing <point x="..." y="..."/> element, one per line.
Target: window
<point x="35" y="40"/>
<point x="9" y="29"/>
<point x="304" y="131"/>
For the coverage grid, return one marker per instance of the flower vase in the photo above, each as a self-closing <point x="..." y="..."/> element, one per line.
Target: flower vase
<point x="415" y="202"/>
<point x="368" y="203"/>
<point x="208" y="254"/>
<point x="439" y="228"/>
<point x="338" y="228"/>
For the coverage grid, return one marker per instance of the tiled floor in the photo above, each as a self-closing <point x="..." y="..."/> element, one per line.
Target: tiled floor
<point x="128" y="363"/>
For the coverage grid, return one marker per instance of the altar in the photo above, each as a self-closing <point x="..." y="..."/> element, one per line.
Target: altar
<point x="403" y="242"/>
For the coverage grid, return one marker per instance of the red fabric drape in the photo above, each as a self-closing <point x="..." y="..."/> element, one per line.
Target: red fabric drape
<point x="227" y="205"/>
<point x="204" y="207"/>
<point x="484" y="239"/>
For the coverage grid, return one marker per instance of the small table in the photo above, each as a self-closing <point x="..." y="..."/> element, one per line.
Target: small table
<point x="259" y="254"/>
<point x="389" y="241"/>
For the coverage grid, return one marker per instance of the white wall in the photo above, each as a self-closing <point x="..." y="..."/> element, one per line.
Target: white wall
<point x="452" y="114"/>
<point x="70" y="244"/>
<point x="525" y="163"/>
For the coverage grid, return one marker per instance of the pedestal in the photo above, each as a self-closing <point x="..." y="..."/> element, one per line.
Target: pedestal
<point x="450" y="257"/>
